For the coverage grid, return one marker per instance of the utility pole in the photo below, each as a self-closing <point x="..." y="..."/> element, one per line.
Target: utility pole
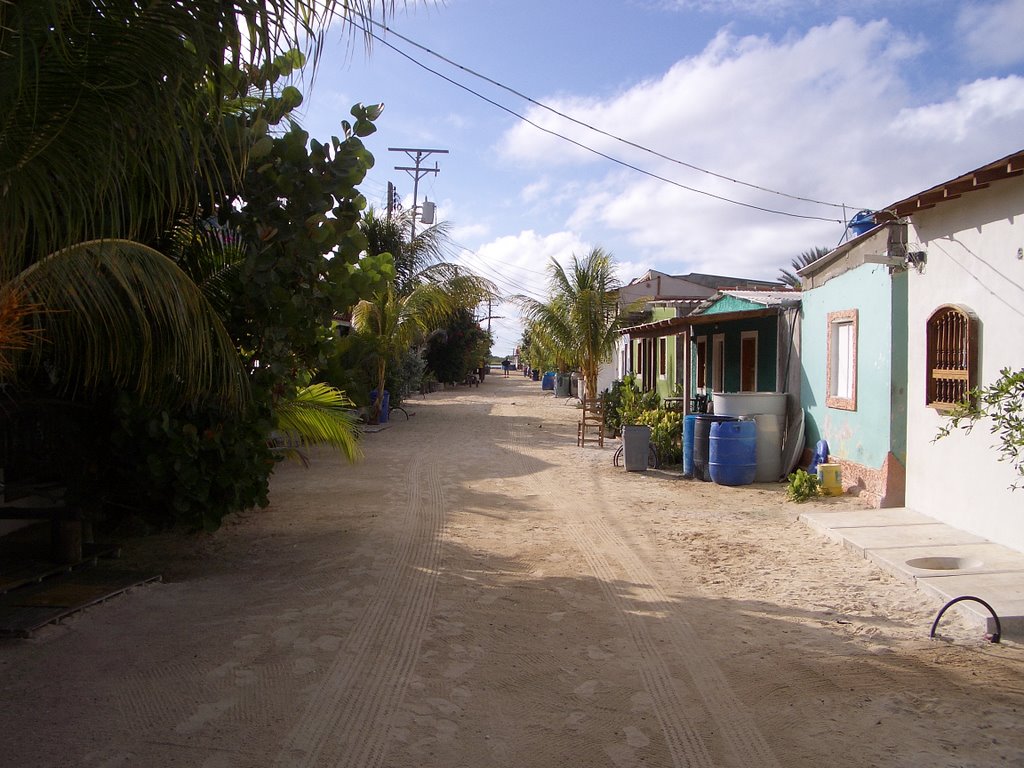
<point x="490" y="316"/>
<point x="417" y="172"/>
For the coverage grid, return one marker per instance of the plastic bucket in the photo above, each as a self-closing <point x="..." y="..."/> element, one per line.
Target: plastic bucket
<point x="689" y="423"/>
<point x="701" y="439"/>
<point x="831" y="478"/>
<point x="732" y="457"/>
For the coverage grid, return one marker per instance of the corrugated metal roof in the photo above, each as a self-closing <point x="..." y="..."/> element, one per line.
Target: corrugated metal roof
<point x="767" y="298"/>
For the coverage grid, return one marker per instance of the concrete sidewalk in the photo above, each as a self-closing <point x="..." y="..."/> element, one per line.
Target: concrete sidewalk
<point x="939" y="559"/>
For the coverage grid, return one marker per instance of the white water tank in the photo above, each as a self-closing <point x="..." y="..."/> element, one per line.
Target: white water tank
<point x="769" y="448"/>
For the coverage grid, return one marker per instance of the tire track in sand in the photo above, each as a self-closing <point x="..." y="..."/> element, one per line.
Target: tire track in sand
<point x="345" y="722"/>
<point x="613" y="563"/>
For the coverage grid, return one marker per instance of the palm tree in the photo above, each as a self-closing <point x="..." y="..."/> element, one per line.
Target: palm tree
<point x="412" y="255"/>
<point x="426" y="291"/>
<point x="394" y="322"/>
<point x="807" y="257"/>
<point x="578" y="323"/>
<point x="318" y="414"/>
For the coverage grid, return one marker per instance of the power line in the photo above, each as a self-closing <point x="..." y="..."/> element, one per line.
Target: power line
<point x="508" y="282"/>
<point x="597" y="152"/>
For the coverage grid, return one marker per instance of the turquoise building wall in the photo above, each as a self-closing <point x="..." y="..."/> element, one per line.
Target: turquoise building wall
<point x="878" y="426"/>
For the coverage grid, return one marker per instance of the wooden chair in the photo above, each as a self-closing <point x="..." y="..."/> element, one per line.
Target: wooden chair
<point x="591" y="421"/>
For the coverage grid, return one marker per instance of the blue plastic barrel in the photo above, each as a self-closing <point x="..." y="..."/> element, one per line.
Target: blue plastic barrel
<point x="701" y="447"/>
<point x="385" y="404"/>
<point x="548" y="382"/>
<point x="732" y="457"/>
<point x="689" y="425"/>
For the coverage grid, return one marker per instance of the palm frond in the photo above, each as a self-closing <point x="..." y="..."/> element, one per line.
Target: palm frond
<point x="118" y="312"/>
<point x="113" y="109"/>
<point x="211" y="255"/>
<point x="320" y="415"/>
<point x="16" y="333"/>
<point x="806" y="258"/>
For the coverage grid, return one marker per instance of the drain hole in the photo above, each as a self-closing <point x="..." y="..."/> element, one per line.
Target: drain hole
<point x="944" y="563"/>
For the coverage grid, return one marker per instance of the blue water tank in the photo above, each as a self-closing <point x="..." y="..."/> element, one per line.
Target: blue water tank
<point x="732" y="458"/>
<point x="862" y="222"/>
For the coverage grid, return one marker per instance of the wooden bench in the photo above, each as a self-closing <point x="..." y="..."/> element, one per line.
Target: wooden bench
<point x="65" y="527"/>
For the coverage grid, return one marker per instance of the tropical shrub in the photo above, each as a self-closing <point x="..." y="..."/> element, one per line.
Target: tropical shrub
<point x="185" y="469"/>
<point x="666" y="433"/>
<point x="634" y="401"/>
<point x="612" y="398"/>
<point x="1002" y="402"/>
<point x="803" y="486"/>
<point x="459" y="349"/>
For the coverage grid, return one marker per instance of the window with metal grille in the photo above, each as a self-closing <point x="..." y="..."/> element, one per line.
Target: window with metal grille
<point x="952" y="356"/>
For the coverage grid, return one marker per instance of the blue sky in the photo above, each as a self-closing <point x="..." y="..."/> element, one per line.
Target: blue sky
<point x="840" y="103"/>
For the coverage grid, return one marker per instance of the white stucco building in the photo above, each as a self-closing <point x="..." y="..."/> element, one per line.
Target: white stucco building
<point x="965" y="322"/>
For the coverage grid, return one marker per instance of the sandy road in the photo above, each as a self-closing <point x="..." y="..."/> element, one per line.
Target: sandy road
<point x="481" y="592"/>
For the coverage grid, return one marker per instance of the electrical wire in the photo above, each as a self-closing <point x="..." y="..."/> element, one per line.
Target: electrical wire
<point x="597" y="152"/>
<point x="503" y="281"/>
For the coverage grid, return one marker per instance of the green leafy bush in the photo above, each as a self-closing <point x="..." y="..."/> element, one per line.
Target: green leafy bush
<point x="666" y="434"/>
<point x="1002" y="402"/>
<point x="186" y="470"/>
<point x="635" y="402"/>
<point x="802" y="486"/>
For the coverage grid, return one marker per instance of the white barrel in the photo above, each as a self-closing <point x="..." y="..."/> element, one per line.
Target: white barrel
<point x="769" y="448"/>
<point x="741" y="404"/>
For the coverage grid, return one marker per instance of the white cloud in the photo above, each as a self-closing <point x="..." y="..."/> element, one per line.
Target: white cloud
<point x="982" y="102"/>
<point x="826" y="115"/>
<point x="992" y="33"/>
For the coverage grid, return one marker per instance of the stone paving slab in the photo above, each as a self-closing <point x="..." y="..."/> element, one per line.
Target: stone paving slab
<point x="951" y="560"/>
<point x="968" y="564"/>
<point x="860" y="518"/>
<point x="890" y="536"/>
<point x="1003" y="591"/>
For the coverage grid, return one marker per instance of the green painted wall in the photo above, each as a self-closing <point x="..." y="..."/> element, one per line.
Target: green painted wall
<point x="878" y="425"/>
<point x="767" y="350"/>
<point x="730" y="304"/>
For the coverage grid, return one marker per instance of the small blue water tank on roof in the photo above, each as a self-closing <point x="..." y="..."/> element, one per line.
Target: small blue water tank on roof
<point x="863" y="222"/>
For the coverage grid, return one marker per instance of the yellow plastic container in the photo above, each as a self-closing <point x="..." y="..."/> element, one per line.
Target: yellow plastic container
<point x="830" y="477"/>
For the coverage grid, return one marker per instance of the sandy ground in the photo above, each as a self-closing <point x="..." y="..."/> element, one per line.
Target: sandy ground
<point x="481" y="592"/>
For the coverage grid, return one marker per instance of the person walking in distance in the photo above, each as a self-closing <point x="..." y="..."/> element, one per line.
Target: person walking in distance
<point x="505" y="365"/>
